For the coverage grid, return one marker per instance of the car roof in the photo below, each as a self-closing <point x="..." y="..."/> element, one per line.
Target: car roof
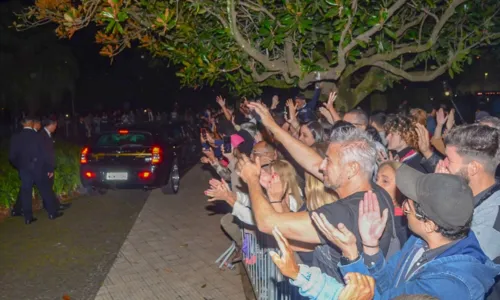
<point x="152" y="128"/>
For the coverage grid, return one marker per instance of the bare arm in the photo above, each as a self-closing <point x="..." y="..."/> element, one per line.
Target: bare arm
<point x="304" y="155"/>
<point x="331" y="108"/>
<point x="295" y="226"/>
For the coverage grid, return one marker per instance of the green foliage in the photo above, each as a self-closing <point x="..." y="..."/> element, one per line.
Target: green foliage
<point x="67" y="178"/>
<point x="247" y="44"/>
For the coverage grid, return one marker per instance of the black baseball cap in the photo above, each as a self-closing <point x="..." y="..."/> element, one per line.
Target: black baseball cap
<point x="446" y="199"/>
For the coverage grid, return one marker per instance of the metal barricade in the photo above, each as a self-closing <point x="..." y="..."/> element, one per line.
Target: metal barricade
<point x="267" y="281"/>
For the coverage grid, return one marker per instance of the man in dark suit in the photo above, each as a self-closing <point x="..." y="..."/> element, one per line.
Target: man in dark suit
<point x="27" y="156"/>
<point x="50" y="126"/>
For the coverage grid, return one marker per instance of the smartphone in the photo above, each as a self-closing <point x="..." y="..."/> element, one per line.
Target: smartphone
<point x="227" y="145"/>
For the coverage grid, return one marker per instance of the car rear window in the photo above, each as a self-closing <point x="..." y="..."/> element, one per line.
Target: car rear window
<point x="120" y="139"/>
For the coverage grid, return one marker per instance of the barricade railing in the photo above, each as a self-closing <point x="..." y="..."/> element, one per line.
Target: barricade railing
<point x="267" y="281"/>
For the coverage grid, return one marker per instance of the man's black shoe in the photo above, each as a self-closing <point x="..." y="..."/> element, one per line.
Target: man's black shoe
<point x="64" y="206"/>
<point x="29" y="221"/>
<point x="15" y="213"/>
<point x="55" y="216"/>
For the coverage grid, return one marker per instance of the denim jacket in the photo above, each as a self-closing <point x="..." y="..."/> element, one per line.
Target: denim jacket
<point x="462" y="270"/>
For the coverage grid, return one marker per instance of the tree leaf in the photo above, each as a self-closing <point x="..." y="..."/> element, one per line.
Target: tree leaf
<point x="110" y="26"/>
<point x="390" y="33"/>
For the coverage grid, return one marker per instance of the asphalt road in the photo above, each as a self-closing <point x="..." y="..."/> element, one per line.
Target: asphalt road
<point x="70" y="255"/>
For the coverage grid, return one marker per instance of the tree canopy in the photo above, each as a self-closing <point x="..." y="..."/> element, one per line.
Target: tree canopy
<point x="360" y="46"/>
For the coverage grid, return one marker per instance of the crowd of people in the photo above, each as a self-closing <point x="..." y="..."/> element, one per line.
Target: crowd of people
<point x="82" y="126"/>
<point x="402" y="206"/>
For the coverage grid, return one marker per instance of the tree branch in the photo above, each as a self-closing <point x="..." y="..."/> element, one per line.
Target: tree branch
<point x="293" y="67"/>
<point x="272" y="65"/>
<point x="414" y="49"/>
<point x="421" y="76"/>
<point x="336" y="72"/>
<point x="377" y="27"/>
<point x="409" y="25"/>
<point x="256" y="7"/>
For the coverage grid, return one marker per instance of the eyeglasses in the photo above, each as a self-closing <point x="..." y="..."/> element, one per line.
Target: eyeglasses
<point x="408" y="212"/>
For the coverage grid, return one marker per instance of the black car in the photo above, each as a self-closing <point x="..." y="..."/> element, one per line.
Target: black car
<point x="143" y="157"/>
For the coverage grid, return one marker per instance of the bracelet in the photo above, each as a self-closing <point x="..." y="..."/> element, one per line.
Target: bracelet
<point x="370" y="246"/>
<point x="275" y="201"/>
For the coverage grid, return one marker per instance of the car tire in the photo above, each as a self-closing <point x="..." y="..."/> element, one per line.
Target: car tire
<point x="173" y="183"/>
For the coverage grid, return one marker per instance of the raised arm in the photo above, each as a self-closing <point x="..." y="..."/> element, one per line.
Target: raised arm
<point x="304" y="155"/>
<point x="295" y="226"/>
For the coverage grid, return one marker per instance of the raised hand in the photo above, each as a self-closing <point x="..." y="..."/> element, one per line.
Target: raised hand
<point x="440" y="117"/>
<point x="442" y="167"/>
<point x="358" y="287"/>
<point x="275" y="189"/>
<point x="424" y="144"/>
<point x="331" y="100"/>
<point x="341" y="236"/>
<point x="275" y="102"/>
<point x="265" y="116"/>
<point x="326" y="114"/>
<point x="247" y="170"/>
<point x="221" y="192"/>
<point x="383" y="157"/>
<point x="451" y="119"/>
<point x="286" y="262"/>
<point x="221" y="101"/>
<point x="215" y="183"/>
<point x="371" y="224"/>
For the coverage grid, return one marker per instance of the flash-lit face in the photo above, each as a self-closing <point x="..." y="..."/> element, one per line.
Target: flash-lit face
<point x="332" y="169"/>
<point x="455" y="163"/>
<point x="394" y="140"/>
<point x="351" y="118"/>
<point x="306" y="136"/>
<point x="299" y="102"/>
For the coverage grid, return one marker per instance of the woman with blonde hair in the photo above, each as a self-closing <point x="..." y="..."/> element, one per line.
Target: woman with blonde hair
<point x="279" y="179"/>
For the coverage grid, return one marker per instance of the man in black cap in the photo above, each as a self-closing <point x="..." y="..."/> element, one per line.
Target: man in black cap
<point x="27" y="156"/>
<point x="443" y="258"/>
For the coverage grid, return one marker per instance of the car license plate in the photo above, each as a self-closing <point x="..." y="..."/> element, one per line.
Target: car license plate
<point x="117" y="176"/>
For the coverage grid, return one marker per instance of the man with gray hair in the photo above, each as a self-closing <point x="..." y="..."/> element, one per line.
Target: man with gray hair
<point x="347" y="169"/>
<point x="491" y="121"/>
<point x="473" y="153"/>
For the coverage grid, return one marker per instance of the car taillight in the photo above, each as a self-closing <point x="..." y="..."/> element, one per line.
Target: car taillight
<point x="83" y="157"/>
<point x="156" y="155"/>
<point x="89" y="174"/>
<point x="144" y="175"/>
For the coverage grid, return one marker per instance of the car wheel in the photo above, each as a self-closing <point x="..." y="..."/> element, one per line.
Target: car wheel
<point x="173" y="184"/>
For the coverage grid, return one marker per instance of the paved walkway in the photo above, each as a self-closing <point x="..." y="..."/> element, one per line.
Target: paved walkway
<point x="171" y="250"/>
